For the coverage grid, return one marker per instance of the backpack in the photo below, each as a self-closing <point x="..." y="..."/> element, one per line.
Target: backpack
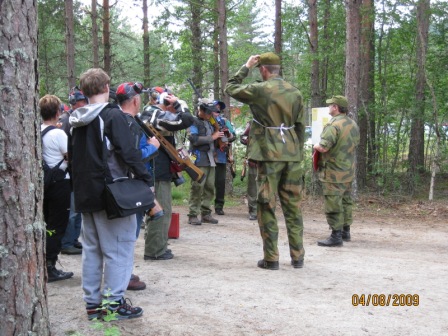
<point x="51" y="175"/>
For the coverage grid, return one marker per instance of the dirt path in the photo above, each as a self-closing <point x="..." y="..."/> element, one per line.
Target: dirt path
<point x="213" y="287"/>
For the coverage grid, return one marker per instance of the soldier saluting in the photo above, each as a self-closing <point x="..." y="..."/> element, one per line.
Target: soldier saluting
<point x="276" y="143"/>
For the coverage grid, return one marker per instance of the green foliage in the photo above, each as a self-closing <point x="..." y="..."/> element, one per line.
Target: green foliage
<point x="250" y="29"/>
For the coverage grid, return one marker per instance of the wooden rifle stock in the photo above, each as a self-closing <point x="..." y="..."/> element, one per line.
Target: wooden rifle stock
<point x="182" y="160"/>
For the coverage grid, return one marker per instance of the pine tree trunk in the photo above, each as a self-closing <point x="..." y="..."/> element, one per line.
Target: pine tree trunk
<point x="23" y="301"/>
<point x="95" y="44"/>
<point x="352" y="64"/>
<point x="70" y="43"/>
<point x="106" y="37"/>
<point x="146" y="51"/>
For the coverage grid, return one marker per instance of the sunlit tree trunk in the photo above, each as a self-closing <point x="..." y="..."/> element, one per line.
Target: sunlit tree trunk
<point x="416" y="145"/>
<point x="352" y="63"/>
<point x="23" y="302"/>
<point x="70" y="43"/>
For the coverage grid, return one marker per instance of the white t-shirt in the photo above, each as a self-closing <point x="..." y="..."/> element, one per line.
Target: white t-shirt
<point x="54" y="146"/>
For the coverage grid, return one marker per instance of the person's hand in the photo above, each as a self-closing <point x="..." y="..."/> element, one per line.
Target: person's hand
<point x="217" y="135"/>
<point x="252" y="61"/>
<point x="153" y="141"/>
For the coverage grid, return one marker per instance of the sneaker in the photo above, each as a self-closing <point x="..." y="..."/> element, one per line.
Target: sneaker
<point x="56" y="275"/>
<point x="94" y="311"/>
<point x="166" y="256"/>
<point x="209" y="219"/>
<point x="219" y="212"/>
<point x="252" y="217"/>
<point x="194" y="220"/>
<point x="71" y="250"/>
<point x="77" y="244"/>
<point x="124" y="310"/>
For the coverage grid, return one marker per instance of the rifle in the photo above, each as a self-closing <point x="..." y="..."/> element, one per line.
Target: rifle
<point x="178" y="157"/>
<point x="231" y="161"/>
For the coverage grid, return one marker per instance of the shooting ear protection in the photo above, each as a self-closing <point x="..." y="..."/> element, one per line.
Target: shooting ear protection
<point x="75" y="95"/>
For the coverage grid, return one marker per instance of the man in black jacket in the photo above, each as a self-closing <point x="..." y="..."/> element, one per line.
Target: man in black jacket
<point x="100" y="150"/>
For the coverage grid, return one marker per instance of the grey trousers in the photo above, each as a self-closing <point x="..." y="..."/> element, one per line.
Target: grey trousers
<point x="107" y="252"/>
<point x="156" y="231"/>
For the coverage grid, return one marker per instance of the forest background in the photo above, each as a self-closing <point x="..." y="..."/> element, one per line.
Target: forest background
<point x="388" y="57"/>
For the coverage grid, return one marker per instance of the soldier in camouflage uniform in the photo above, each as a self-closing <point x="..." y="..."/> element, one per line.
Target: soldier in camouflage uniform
<point x="276" y="143"/>
<point x="337" y="146"/>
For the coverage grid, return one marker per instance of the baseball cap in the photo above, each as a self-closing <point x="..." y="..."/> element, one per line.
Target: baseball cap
<point x="338" y="100"/>
<point x="128" y="90"/>
<point x="208" y="106"/>
<point x="221" y="104"/>
<point x="268" y="58"/>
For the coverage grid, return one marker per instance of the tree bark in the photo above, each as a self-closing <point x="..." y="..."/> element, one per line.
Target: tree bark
<point x="416" y="144"/>
<point x="95" y="43"/>
<point x="23" y="301"/>
<point x="224" y="74"/>
<point x="316" y="99"/>
<point x="278" y="30"/>
<point x="106" y="37"/>
<point x="196" y="45"/>
<point x="70" y="43"/>
<point x="366" y="95"/>
<point x="352" y="64"/>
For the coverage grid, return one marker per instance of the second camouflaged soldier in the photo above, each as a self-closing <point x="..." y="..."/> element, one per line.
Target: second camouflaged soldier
<point x="337" y="146"/>
<point x="276" y="143"/>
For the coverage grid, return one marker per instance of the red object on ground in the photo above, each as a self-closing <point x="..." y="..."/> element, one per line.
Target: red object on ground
<point x="173" y="231"/>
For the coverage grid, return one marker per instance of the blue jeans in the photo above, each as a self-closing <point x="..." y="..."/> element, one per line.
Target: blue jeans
<point x="74" y="226"/>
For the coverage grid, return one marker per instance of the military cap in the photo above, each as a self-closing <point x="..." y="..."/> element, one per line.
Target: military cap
<point x="268" y="58"/>
<point x="338" y="100"/>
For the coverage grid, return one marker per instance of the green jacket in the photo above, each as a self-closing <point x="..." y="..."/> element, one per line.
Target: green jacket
<point x="340" y="136"/>
<point x="278" y="126"/>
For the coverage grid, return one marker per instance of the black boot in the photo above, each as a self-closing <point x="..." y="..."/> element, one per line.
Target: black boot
<point x="346" y="233"/>
<point x="54" y="274"/>
<point x="334" y="240"/>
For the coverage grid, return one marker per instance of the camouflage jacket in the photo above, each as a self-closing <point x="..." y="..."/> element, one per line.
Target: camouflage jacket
<point x="340" y="136"/>
<point x="278" y="126"/>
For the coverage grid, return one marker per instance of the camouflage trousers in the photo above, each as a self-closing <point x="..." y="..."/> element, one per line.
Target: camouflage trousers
<point x="286" y="180"/>
<point x="202" y="194"/>
<point x="252" y="190"/>
<point x="338" y="204"/>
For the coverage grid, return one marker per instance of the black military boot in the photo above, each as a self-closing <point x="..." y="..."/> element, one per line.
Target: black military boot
<point x="55" y="274"/>
<point x="270" y="265"/>
<point x="334" y="240"/>
<point x="346" y="233"/>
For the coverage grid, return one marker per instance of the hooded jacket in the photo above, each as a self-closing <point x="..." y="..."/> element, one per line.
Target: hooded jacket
<point x="100" y="149"/>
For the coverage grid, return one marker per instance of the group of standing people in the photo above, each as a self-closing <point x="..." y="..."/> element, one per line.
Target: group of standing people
<point x="104" y="144"/>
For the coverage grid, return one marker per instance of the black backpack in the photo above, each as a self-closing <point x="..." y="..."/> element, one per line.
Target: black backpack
<point x="51" y="175"/>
